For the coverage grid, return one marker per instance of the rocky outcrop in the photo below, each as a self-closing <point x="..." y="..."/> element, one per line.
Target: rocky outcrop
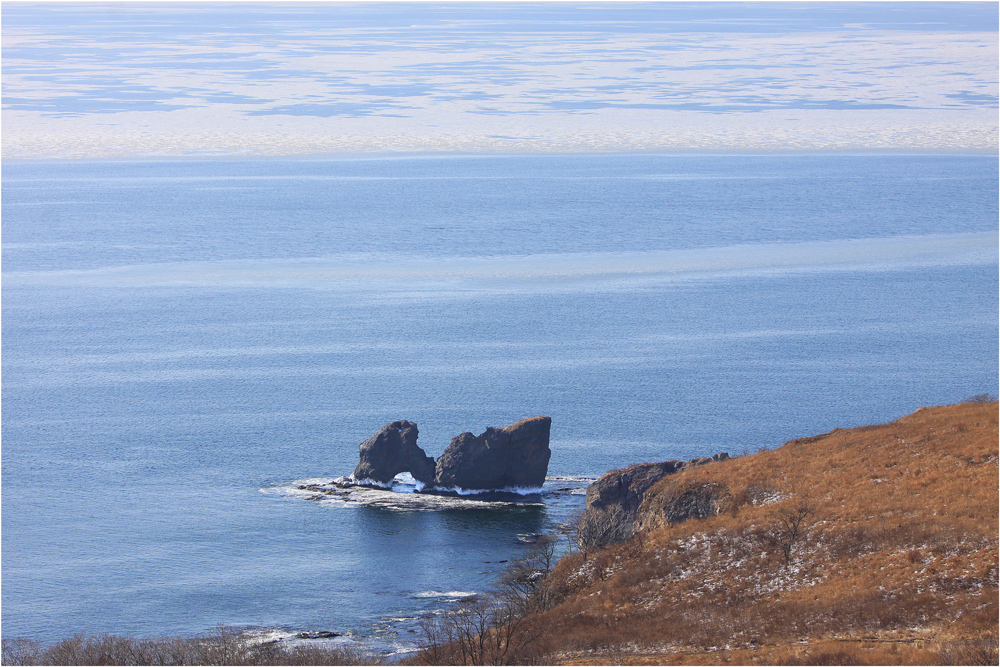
<point x="391" y="451"/>
<point x="513" y="457"/>
<point x="500" y="458"/>
<point x="624" y="488"/>
<point x="683" y="501"/>
<point x="614" y="500"/>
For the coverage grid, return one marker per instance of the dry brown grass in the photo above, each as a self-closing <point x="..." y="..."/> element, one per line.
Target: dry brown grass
<point x="223" y="647"/>
<point x="894" y="563"/>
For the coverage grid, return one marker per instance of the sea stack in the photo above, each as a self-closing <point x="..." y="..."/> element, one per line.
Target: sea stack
<point x="513" y="457"/>
<point x="391" y="451"/>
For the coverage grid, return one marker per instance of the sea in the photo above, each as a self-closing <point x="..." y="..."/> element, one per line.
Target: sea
<point x="186" y="343"/>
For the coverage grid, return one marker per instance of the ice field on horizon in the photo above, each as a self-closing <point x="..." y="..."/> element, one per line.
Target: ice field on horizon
<point x="273" y="79"/>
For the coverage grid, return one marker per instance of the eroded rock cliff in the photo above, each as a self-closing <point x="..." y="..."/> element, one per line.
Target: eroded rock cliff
<point x="513" y="457"/>
<point x="614" y="500"/>
<point x="392" y="450"/>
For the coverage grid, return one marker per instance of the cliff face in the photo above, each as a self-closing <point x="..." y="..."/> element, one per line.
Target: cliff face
<point x="615" y="501"/>
<point x="392" y="450"/>
<point x="682" y="501"/>
<point x="624" y="488"/>
<point x="513" y="457"/>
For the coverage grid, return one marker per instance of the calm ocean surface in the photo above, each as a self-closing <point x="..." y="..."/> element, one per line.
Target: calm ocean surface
<point x="185" y="341"/>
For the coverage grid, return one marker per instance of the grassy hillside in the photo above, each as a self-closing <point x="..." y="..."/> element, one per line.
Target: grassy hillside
<point x="874" y="545"/>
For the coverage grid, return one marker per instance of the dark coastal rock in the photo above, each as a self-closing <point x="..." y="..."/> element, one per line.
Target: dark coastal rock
<point x="624" y="488"/>
<point x="721" y="456"/>
<point x="681" y="502"/>
<point x="513" y="457"/>
<point x="391" y="451"/>
<point x="321" y="634"/>
<point x="613" y="501"/>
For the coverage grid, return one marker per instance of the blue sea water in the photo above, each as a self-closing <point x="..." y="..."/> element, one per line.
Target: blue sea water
<point x="185" y="342"/>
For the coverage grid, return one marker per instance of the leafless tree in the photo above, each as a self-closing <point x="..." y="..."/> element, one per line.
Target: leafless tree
<point x="525" y="578"/>
<point x="21" y="651"/>
<point x="494" y="630"/>
<point x="788" y="526"/>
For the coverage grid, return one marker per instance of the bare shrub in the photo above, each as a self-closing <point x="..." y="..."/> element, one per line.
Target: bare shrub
<point x="694" y="500"/>
<point x="525" y="578"/>
<point x="761" y="492"/>
<point x="224" y="646"/>
<point x="598" y="528"/>
<point x="841" y="656"/>
<point x="494" y="630"/>
<point x="617" y="654"/>
<point x="979" y="651"/>
<point x="340" y="655"/>
<point x="21" y="651"/>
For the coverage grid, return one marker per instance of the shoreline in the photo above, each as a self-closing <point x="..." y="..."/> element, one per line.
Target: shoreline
<point x="961" y="429"/>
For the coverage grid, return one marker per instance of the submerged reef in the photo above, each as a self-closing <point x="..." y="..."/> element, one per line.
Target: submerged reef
<point x="499" y="459"/>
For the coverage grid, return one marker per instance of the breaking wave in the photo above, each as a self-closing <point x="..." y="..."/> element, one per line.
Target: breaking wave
<point x="296" y="638"/>
<point x="403" y="493"/>
<point x="450" y="595"/>
<point x="511" y="490"/>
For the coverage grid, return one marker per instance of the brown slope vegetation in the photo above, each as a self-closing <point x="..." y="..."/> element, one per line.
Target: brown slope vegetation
<point x="874" y="545"/>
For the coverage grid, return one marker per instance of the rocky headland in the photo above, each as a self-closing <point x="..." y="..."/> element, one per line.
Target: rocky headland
<point x="874" y="545"/>
<point x="616" y="500"/>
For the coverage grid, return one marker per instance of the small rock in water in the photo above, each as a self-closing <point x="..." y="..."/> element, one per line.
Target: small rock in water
<point x="322" y="634"/>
